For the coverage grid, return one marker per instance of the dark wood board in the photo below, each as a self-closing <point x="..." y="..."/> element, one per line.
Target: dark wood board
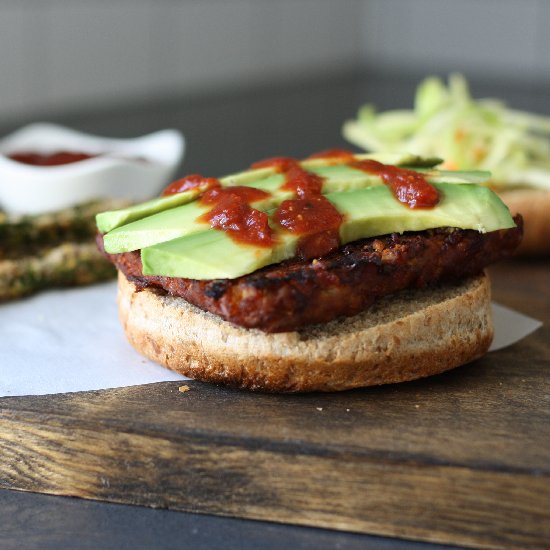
<point x="459" y="458"/>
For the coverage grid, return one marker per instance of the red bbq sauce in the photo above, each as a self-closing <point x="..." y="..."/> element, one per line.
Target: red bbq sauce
<point x="333" y="153"/>
<point x="310" y="216"/>
<point x="408" y="186"/>
<point x="281" y="164"/>
<point x="193" y="181"/>
<point x="50" y="159"/>
<point x="231" y="212"/>
<point x="315" y="220"/>
<point x="244" y="193"/>
<point x="302" y="182"/>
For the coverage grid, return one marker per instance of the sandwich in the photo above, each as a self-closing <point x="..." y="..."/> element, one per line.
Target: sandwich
<point x="471" y="134"/>
<point x="331" y="273"/>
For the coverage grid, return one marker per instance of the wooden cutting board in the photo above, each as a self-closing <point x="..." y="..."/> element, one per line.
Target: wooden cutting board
<point x="460" y="458"/>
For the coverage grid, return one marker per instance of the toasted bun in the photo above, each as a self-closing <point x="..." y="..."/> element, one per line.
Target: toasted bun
<point x="404" y="337"/>
<point x="534" y="206"/>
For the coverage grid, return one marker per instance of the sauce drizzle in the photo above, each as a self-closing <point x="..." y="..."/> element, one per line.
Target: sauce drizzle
<point x="408" y="186"/>
<point x="302" y="182"/>
<point x="281" y="164"/>
<point x="333" y="153"/>
<point x="310" y="215"/>
<point x="315" y="220"/>
<point x="232" y="213"/>
<point x="242" y="192"/>
<point x="193" y="181"/>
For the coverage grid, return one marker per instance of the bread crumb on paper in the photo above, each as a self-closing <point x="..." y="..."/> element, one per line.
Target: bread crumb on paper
<point x="183" y="389"/>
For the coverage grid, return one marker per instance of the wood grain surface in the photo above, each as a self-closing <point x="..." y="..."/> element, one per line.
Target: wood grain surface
<point x="463" y="457"/>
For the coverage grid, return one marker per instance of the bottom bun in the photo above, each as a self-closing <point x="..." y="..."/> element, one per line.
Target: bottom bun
<point x="403" y="337"/>
<point x="533" y="205"/>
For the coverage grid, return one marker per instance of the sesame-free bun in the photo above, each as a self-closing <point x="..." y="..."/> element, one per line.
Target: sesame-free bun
<point x="534" y="206"/>
<point x="407" y="336"/>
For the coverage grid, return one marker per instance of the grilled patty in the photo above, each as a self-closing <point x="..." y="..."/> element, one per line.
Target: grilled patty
<point x="297" y="293"/>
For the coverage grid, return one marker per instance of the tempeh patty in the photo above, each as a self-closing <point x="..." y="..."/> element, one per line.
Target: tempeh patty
<point x="296" y="293"/>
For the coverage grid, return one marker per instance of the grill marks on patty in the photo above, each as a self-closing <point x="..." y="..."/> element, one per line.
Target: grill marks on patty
<point x="297" y="293"/>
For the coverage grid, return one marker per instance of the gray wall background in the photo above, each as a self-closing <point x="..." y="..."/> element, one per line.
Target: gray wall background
<point x="58" y="55"/>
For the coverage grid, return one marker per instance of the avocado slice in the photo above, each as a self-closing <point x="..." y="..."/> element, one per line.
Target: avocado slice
<point x="112" y="219"/>
<point x="339" y="177"/>
<point x="179" y="221"/>
<point x="454" y="176"/>
<point x="342" y="177"/>
<point x="368" y="212"/>
<point x="164" y="226"/>
<point x="213" y="255"/>
<point x="375" y="211"/>
<point x="109" y="220"/>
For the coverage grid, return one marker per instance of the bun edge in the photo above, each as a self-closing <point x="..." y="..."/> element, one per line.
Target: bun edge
<point x="410" y="335"/>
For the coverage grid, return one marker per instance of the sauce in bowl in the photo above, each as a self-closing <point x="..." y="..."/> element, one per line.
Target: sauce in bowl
<point x="49" y="159"/>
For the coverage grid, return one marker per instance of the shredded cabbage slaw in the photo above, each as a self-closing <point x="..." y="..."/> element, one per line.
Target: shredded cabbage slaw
<point x="470" y="134"/>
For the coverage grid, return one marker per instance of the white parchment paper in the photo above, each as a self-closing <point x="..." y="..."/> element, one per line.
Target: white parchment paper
<point x="71" y="340"/>
<point x="510" y="326"/>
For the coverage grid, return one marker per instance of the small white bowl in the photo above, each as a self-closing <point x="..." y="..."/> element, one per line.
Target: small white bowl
<point x="134" y="169"/>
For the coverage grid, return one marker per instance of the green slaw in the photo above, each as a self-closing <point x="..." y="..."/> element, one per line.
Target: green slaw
<point x="470" y="134"/>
